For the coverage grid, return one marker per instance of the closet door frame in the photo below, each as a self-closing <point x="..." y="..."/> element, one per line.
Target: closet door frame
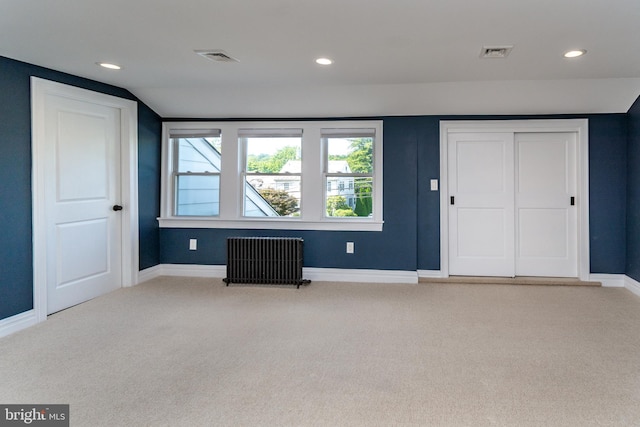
<point x="579" y="126"/>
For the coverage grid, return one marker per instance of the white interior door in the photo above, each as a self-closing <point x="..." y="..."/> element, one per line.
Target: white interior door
<point x="481" y="208"/>
<point x="546" y="214"/>
<point x="82" y="186"/>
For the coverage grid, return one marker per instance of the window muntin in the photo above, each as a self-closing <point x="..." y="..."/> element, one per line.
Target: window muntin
<point x="272" y="172"/>
<point x="196" y="172"/>
<point x="348" y="173"/>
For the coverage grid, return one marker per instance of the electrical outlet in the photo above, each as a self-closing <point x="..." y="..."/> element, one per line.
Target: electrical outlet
<point x="350" y="247"/>
<point x="193" y="244"/>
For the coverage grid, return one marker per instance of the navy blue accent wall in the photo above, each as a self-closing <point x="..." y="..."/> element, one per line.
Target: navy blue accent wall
<point x="16" y="255"/>
<point x="428" y="214"/>
<point x="321" y="249"/>
<point x="633" y="193"/>
<point x="607" y="192"/>
<point x="149" y="163"/>
<point x="393" y="249"/>
<point x="411" y="236"/>
<point x="607" y="166"/>
<point x="16" y="269"/>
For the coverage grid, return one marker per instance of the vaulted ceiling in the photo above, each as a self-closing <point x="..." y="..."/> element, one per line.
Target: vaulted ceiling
<point x="400" y="57"/>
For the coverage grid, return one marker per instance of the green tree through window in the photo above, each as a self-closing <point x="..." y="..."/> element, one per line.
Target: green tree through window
<point x="360" y="160"/>
<point x="265" y="163"/>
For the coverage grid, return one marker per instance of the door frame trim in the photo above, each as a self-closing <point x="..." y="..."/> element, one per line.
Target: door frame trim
<point x="580" y="126"/>
<point x="40" y="89"/>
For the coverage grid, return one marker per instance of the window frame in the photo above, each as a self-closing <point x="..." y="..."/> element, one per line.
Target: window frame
<point x="342" y="133"/>
<point x="313" y="185"/>
<point x="244" y="134"/>
<point x="175" y="168"/>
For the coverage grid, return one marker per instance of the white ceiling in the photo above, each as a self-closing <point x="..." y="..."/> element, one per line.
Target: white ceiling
<point x="392" y="57"/>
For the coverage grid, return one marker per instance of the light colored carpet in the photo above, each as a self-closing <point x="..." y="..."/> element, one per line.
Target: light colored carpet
<point x="191" y="352"/>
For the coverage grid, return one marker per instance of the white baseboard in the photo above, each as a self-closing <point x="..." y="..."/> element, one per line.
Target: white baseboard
<point x="149" y="273"/>
<point x="632" y="285"/>
<point x="18" y="322"/>
<point x="609" y="280"/>
<point x="348" y="275"/>
<point x="316" y="274"/>
<point x="184" y="270"/>
<point x="358" y="275"/>
<point x="194" y="270"/>
<point x="431" y="274"/>
<point x="325" y="275"/>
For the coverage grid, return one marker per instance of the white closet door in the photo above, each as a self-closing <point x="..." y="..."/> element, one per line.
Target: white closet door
<point x="546" y="220"/>
<point x="481" y="204"/>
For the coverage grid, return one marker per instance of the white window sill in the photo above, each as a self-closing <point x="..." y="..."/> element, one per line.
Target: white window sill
<point x="273" y="224"/>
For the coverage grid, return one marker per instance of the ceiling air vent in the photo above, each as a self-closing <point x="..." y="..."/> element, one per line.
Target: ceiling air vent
<point x="495" y="51"/>
<point x="216" y="55"/>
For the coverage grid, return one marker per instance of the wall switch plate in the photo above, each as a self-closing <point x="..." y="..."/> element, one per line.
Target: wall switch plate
<point x="350" y="247"/>
<point x="193" y="244"/>
<point x="434" y="185"/>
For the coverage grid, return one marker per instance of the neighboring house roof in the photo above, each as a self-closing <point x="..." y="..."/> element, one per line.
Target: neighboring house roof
<point x="207" y="153"/>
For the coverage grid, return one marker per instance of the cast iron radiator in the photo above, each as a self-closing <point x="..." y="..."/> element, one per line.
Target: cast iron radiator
<point x="265" y="260"/>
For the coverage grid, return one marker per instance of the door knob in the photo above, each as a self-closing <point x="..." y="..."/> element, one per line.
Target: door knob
<point x="117" y="208"/>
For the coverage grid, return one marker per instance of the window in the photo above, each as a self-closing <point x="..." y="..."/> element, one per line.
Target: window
<point x="299" y="175"/>
<point x="273" y="168"/>
<point x="349" y="161"/>
<point x="196" y="172"/>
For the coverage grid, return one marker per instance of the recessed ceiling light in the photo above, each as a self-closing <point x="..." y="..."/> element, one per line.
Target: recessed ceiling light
<point x="109" y="66"/>
<point x="574" y="53"/>
<point x="324" y="61"/>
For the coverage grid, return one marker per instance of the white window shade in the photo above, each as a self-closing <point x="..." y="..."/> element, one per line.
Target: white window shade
<point x="348" y="133"/>
<point x="195" y="133"/>
<point x="270" y="133"/>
